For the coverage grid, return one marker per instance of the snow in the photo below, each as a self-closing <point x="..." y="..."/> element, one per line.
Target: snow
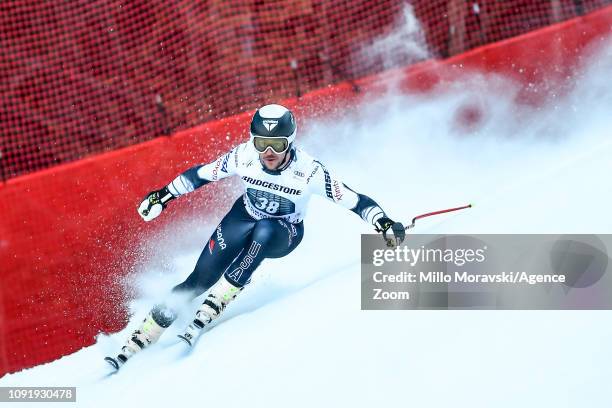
<point x="297" y="337"/>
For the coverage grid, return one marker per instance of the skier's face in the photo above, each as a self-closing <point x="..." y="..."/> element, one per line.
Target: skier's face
<point x="272" y="160"/>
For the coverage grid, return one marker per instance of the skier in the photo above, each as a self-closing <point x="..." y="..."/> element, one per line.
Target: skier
<point x="265" y="222"/>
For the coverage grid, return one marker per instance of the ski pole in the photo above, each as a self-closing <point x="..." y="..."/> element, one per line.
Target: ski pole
<point x="418" y="217"/>
<point x="390" y="242"/>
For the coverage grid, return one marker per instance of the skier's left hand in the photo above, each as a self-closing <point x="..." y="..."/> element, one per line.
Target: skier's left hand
<point x="397" y="228"/>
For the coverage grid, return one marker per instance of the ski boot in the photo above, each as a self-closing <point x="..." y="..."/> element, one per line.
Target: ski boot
<point x="219" y="295"/>
<point x="158" y="319"/>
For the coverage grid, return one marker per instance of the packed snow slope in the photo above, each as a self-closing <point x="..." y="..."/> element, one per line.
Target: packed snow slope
<point x="297" y="336"/>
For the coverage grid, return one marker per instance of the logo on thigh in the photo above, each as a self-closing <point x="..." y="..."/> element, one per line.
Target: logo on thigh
<point x="291" y="231"/>
<point x="220" y="239"/>
<point x="236" y="274"/>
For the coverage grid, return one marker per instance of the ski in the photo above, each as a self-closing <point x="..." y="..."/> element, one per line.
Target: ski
<point x="116" y="362"/>
<point x="185" y="339"/>
<point x="113" y="362"/>
<point x="189" y="337"/>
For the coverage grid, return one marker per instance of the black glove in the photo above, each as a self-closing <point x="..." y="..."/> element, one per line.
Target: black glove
<point x="154" y="203"/>
<point x="383" y="224"/>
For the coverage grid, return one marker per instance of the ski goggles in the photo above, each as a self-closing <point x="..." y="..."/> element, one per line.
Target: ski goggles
<point x="277" y="144"/>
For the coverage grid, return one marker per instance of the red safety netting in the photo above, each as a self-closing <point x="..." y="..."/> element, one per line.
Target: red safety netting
<point x="84" y="77"/>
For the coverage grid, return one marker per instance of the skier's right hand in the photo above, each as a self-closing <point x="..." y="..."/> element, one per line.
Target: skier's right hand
<point x="154" y="203"/>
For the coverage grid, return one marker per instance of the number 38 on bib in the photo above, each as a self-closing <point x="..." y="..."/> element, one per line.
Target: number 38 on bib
<point x="270" y="203"/>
